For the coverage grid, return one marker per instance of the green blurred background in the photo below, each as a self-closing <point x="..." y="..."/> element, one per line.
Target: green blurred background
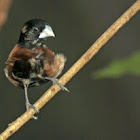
<point x="95" y="109"/>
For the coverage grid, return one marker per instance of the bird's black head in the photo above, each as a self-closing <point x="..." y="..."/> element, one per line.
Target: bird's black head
<point x="34" y="32"/>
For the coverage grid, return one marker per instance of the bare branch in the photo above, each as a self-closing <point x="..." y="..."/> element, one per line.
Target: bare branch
<point x="14" y="126"/>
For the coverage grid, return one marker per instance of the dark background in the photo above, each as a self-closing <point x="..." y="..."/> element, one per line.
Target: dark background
<point x="106" y="109"/>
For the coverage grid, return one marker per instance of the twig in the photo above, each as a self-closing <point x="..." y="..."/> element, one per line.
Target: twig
<point x="14" y="126"/>
<point x="4" y="7"/>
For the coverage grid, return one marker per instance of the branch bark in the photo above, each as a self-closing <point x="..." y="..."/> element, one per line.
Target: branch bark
<point x="14" y="126"/>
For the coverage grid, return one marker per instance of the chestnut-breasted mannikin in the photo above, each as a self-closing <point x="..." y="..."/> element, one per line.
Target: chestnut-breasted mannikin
<point x="31" y="63"/>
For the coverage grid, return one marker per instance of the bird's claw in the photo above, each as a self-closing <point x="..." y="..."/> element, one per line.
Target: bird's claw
<point x="28" y="106"/>
<point x="61" y="86"/>
<point x="55" y="82"/>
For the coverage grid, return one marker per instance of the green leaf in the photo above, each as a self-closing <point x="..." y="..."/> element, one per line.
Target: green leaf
<point x="121" y="67"/>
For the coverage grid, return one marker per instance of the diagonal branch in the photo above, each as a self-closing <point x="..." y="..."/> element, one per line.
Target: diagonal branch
<point x="14" y="126"/>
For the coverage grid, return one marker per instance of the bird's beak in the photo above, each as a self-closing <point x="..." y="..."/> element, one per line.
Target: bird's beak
<point x="47" y="32"/>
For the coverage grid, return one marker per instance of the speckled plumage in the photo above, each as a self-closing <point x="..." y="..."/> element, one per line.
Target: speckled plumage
<point x="31" y="63"/>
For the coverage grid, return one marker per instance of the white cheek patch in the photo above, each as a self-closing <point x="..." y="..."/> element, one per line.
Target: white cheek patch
<point x="47" y="32"/>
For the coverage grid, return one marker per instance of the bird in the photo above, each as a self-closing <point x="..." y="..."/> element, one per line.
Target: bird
<point x="31" y="63"/>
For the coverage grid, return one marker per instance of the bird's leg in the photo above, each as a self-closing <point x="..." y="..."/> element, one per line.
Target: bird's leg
<point x="55" y="81"/>
<point x="27" y="103"/>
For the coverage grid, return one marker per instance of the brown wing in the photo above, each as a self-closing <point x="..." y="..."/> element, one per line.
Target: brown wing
<point x="53" y="64"/>
<point x="16" y="54"/>
<point x="20" y="53"/>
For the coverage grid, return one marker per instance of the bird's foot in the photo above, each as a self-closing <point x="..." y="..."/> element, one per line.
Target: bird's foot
<point x="28" y="106"/>
<point x="55" y="81"/>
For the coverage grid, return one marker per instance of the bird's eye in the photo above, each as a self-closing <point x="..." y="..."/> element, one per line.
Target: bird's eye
<point x="35" y="29"/>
